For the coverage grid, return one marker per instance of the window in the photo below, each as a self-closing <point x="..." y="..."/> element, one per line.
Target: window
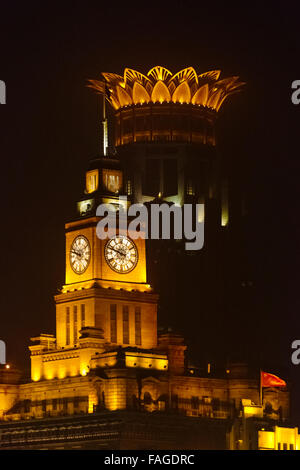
<point x="75" y="323"/>
<point x="54" y="404"/>
<point x="170" y="177"/>
<point x="206" y="400"/>
<point x="152" y="177"/>
<point x="195" y="403"/>
<point x="190" y="187"/>
<point x="284" y="446"/>
<point x="27" y="404"/>
<point x="278" y="446"/>
<point x="138" y="336"/>
<point x="127" y="126"/>
<point x="91" y="181"/>
<point x="82" y="315"/>
<point x="68" y="325"/>
<point x="112" y="180"/>
<point x="129" y="187"/>
<point x="113" y="323"/>
<point x="143" y="123"/>
<point x="215" y="404"/>
<point x="174" y="401"/>
<point x="291" y="446"/>
<point x="147" y="398"/>
<point x="65" y="403"/>
<point x="125" y="324"/>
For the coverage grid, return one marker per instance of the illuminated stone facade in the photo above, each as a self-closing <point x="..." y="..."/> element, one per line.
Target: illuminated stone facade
<point x="106" y="356"/>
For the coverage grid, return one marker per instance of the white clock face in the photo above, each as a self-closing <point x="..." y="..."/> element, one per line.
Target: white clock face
<point x="80" y="254"/>
<point x="121" y="254"/>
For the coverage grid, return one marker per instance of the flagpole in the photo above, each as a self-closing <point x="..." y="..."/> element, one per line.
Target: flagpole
<point x="104" y="122"/>
<point x="260" y="388"/>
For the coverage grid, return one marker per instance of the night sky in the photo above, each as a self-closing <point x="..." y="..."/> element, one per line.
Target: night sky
<point x="50" y="128"/>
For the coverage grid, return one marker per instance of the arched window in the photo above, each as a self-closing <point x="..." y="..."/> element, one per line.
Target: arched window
<point x="147" y="398"/>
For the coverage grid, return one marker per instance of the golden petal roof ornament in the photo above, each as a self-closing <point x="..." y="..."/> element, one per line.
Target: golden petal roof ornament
<point x="115" y="103"/>
<point x="131" y="76"/>
<point x="211" y="75"/>
<point x="112" y="78"/>
<point x="160" y="93"/>
<point x="182" y="94"/>
<point x="160" y="85"/>
<point x="97" y="85"/>
<point x="215" y="98"/>
<point x="139" y="94"/>
<point x="201" y="96"/>
<point x="123" y="97"/>
<point x="159" y="73"/>
<point x="188" y="74"/>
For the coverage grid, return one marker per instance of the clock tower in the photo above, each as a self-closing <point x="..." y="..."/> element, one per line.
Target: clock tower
<point x="106" y="301"/>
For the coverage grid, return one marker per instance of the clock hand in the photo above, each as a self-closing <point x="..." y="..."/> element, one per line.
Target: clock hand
<point x="76" y="252"/>
<point x="120" y="253"/>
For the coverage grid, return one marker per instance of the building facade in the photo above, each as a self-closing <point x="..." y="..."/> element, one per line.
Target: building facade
<point x="107" y="378"/>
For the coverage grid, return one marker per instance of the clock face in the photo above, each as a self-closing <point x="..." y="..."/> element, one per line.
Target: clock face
<point x="121" y="254"/>
<point x="80" y="254"/>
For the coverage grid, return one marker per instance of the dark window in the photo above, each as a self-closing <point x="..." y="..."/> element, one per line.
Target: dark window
<point x="142" y="123"/>
<point x="142" y="138"/>
<point x="170" y="177"/>
<point x="180" y="123"/>
<point x="127" y="126"/>
<point x="113" y="323"/>
<point x="291" y="446"/>
<point x="161" y="122"/>
<point x="197" y="125"/>
<point x="161" y="138"/>
<point x="27" y="406"/>
<point x="284" y="446"/>
<point x="65" y="404"/>
<point x="75" y="323"/>
<point x="174" y="402"/>
<point x="195" y="403"/>
<point x="215" y="404"/>
<point x="82" y="315"/>
<point x="125" y="324"/>
<point x="54" y="404"/>
<point x="68" y="325"/>
<point x="152" y="177"/>
<point x="147" y="398"/>
<point x="138" y="335"/>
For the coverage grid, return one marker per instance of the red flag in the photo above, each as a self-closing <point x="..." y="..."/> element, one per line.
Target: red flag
<point x="271" y="380"/>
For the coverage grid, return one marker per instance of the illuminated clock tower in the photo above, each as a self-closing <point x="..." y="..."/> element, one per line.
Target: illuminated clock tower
<point x="106" y="300"/>
<point x="165" y="142"/>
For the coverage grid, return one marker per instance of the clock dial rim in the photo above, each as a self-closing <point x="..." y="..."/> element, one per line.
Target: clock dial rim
<point x="89" y="257"/>
<point x="108" y="261"/>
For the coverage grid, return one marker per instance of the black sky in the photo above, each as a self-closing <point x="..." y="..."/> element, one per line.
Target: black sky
<point x="49" y="129"/>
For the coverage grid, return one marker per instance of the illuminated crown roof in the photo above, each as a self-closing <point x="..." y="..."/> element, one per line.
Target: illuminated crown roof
<point x="160" y="85"/>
